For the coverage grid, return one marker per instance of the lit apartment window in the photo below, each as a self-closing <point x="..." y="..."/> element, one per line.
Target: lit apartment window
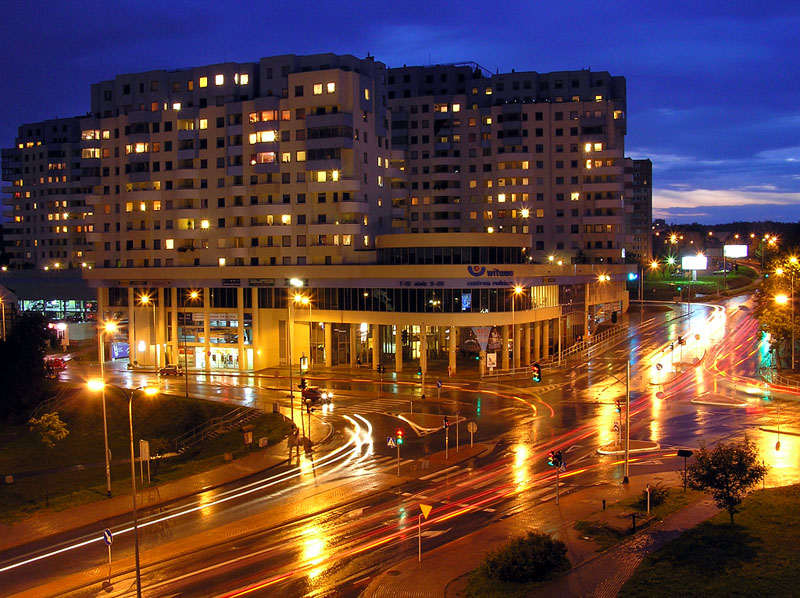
<point x="347" y="240"/>
<point x="317" y="89"/>
<point x="501" y="197"/>
<point x="221" y="261"/>
<point x="286" y="219"/>
<point x="487" y="120"/>
<point x="366" y="93"/>
<point x="129" y="206"/>
<point x="203" y="123"/>
<point x="203" y="81"/>
<point x="488" y="91"/>
<point x="263" y="137"/>
<point x="598" y="98"/>
<point x="176" y="105"/>
<point x="335" y="176"/>
<point x="301" y="156"/>
<point x="219" y="79"/>
<point x="205" y="224"/>
<point x="330" y="87"/>
<point x="575" y="196"/>
<point x="142" y="207"/>
<point x="286" y="157"/>
<point x="456" y="107"/>
<point x="598" y="147"/>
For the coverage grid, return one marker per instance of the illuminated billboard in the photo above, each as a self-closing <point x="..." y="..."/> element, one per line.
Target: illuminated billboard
<point x="735" y="251"/>
<point x="694" y="262"/>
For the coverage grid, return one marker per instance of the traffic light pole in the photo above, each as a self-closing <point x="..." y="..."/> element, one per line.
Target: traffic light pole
<point x="398" y="458"/>
<point x="625" y="479"/>
<point x="558" y="471"/>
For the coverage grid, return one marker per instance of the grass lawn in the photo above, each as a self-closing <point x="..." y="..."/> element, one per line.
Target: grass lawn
<point x="161" y="417"/>
<point x="755" y="557"/>
<point x="600" y="529"/>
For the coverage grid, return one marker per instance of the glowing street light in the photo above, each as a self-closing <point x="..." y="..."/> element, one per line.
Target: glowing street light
<point x="516" y="292"/>
<point x="109" y="326"/>
<point x="96" y="385"/>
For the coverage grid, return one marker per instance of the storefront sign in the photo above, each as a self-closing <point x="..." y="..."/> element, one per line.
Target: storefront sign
<point x="261" y="282"/>
<point x="231" y="282"/>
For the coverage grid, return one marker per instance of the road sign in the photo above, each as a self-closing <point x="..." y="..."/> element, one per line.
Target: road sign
<point x="659" y="366"/>
<point x="426" y="510"/>
<point x="616" y="426"/>
<point x="107" y="537"/>
<point x="472" y="427"/>
<point x="439" y="383"/>
<point x="390" y="442"/>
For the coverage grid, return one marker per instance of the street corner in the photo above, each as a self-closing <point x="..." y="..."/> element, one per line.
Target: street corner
<point x="428" y="423"/>
<point x="718" y="400"/>
<point x="636" y="446"/>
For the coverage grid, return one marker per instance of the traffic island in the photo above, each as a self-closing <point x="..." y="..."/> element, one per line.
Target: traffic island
<point x="718" y="400"/>
<point x="636" y="446"/>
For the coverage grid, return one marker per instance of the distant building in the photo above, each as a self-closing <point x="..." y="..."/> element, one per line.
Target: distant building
<point x="639" y="217"/>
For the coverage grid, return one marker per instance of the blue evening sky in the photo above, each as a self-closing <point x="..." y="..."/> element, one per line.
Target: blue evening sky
<point x="713" y="87"/>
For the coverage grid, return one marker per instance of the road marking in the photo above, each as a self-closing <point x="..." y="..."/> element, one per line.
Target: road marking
<point x="437" y="473"/>
<point x="488" y="510"/>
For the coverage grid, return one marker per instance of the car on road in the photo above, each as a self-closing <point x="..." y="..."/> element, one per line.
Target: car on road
<point x="171" y="369"/>
<point x="315" y="394"/>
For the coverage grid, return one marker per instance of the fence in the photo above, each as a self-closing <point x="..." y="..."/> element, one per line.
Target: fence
<point x="214" y="427"/>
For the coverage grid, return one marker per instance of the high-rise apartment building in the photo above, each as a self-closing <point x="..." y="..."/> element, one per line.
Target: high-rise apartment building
<point x="216" y="191"/>
<point x="519" y="152"/>
<point x="639" y="199"/>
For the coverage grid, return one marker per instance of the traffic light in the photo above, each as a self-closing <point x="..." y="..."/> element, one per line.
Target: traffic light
<point x="400" y="436"/>
<point x="419" y="371"/>
<point x="559" y="460"/>
<point x="617" y="406"/>
<point x="446" y="423"/>
<point x="537" y="372"/>
<point x="551" y="459"/>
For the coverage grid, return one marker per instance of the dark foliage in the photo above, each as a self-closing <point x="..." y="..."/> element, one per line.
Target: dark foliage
<point x="533" y="557"/>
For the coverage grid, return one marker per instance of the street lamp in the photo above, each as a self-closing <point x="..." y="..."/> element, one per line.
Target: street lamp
<point x="108" y="326"/>
<point x="96" y="385"/>
<point x="192" y="296"/>
<point x="517" y="290"/>
<point x="297" y="284"/>
<point x="145" y="300"/>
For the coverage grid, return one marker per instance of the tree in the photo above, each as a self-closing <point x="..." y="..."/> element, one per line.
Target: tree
<point x="50" y="429"/>
<point x="22" y="366"/>
<point x="727" y="472"/>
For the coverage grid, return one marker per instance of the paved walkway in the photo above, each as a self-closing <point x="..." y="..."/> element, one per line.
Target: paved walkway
<point x="444" y="571"/>
<point x="48" y="523"/>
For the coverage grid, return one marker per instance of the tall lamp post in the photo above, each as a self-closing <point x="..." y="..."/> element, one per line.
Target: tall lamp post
<point x="96" y="385"/>
<point x="145" y="300"/>
<point x="297" y="284"/>
<point x="108" y="326"/>
<point x="517" y="290"/>
<point x="782" y="299"/>
<point x="193" y="296"/>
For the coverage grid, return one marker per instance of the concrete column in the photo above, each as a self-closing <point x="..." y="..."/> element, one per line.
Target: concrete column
<point x="376" y="346"/>
<point x="175" y="338"/>
<point x="132" y="349"/>
<point x="353" y="345"/>
<point x="256" y="330"/>
<point x="451" y="351"/>
<point x="328" y="345"/>
<point x="240" y="329"/>
<point x="537" y="341"/>
<point x="423" y="349"/>
<point x="158" y="333"/>
<point x="398" y="348"/>
<point x="526" y="344"/>
<point x="517" y="344"/>
<point x="207" y="327"/>
<point x="504" y="362"/>
<point x="546" y="339"/>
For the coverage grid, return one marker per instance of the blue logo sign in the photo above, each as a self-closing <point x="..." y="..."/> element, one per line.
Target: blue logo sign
<point x="476" y="270"/>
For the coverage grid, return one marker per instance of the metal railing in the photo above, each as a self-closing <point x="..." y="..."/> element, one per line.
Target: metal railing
<point x="48" y="405"/>
<point x="214" y="427"/>
<point x="779" y="380"/>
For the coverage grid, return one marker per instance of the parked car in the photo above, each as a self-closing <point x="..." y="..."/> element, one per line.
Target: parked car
<point x="171" y="369"/>
<point x="315" y="394"/>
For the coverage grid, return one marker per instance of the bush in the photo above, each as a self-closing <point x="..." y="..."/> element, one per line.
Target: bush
<point x="658" y="495"/>
<point x="533" y="557"/>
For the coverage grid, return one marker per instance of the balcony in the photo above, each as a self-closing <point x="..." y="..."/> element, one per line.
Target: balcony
<point x="190" y="134"/>
<point x="325" y="142"/>
<point x="329" y="120"/>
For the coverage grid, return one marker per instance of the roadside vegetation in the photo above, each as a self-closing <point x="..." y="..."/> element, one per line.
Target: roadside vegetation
<point x="663" y="286"/>
<point x="76" y="471"/>
<point x="514" y="569"/>
<point x="755" y="557"/>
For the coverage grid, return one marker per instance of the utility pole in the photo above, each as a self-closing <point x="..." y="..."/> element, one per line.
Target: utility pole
<point x="625" y="479"/>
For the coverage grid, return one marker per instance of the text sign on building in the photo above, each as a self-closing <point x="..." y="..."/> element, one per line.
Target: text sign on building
<point x="231" y="282"/>
<point x="694" y="262"/>
<point x="735" y="251"/>
<point x="261" y="282"/>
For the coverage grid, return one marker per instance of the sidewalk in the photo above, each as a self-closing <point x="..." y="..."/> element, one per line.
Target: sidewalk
<point x="48" y="523"/>
<point x="444" y="571"/>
